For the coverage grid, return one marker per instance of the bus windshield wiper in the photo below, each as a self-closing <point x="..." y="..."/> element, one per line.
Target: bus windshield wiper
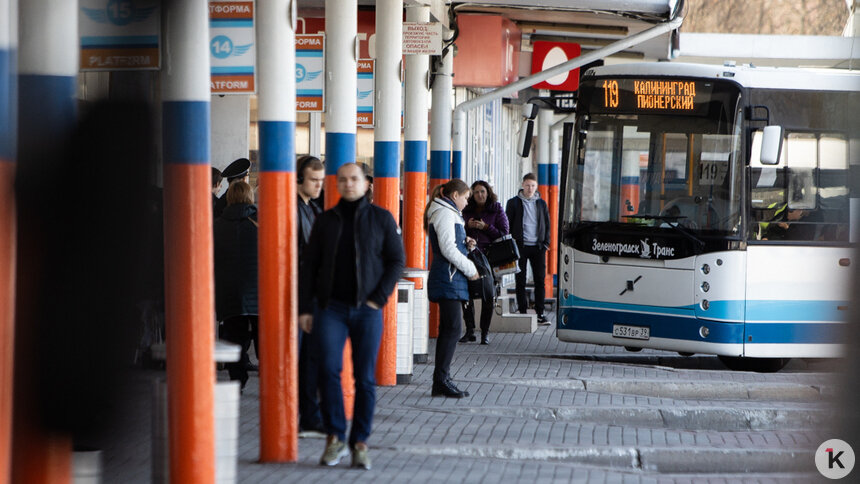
<point x="648" y="216"/>
<point x="677" y="226"/>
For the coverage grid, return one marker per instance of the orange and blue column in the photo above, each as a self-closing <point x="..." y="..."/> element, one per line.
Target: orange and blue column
<point x="415" y="149"/>
<point x="189" y="274"/>
<point x="8" y="147"/>
<point x="545" y="187"/>
<point x="629" y="203"/>
<point x="278" y="236"/>
<point x="46" y="83"/>
<point x="386" y="157"/>
<point x="440" y="146"/>
<point x="341" y="20"/>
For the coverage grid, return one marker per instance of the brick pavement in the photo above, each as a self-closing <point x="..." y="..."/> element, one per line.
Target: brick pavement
<point x="544" y="411"/>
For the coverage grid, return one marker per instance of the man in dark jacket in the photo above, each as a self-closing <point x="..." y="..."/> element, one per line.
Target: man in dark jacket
<point x="351" y="265"/>
<point x="311" y="175"/>
<point x="529" y="222"/>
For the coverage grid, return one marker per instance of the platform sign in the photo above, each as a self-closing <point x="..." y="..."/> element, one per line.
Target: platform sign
<point x="232" y="52"/>
<point x="310" y="69"/>
<point x="119" y="34"/>
<point x="364" y="101"/>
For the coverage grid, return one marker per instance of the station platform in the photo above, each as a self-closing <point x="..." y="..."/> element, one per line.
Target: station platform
<point x="544" y="411"/>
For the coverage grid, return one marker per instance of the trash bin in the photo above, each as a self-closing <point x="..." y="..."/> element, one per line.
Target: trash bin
<point x="226" y="421"/>
<point x="420" y="314"/>
<point x="405" y="296"/>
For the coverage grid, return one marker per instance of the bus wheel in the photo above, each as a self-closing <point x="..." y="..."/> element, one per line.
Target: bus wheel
<point x="632" y="349"/>
<point x="760" y="365"/>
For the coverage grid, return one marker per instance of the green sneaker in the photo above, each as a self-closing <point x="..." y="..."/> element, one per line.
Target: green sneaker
<point x="360" y="457"/>
<point x="334" y="451"/>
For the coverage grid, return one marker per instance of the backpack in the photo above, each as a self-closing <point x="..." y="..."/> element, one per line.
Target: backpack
<point x="482" y="288"/>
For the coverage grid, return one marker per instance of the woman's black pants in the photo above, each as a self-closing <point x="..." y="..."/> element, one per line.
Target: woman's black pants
<point x="450" y="315"/>
<point x="486" y="315"/>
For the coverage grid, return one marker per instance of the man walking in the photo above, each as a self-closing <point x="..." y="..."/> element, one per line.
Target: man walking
<point x="351" y="265"/>
<point x="529" y="221"/>
<point x="311" y="174"/>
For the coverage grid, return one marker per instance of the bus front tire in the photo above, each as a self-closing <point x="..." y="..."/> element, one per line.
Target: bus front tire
<point x="759" y="365"/>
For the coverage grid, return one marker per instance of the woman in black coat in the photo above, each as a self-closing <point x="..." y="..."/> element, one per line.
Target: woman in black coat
<point x="235" y="242"/>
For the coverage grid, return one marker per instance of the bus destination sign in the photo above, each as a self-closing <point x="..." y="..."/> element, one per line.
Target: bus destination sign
<point x="651" y="96"/>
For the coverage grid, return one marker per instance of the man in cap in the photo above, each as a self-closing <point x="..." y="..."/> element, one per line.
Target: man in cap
<point x="236" y="171"/>
<point x="216" y="185"/>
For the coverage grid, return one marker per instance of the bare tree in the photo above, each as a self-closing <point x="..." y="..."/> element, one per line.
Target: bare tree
<point x="783" y="17"/>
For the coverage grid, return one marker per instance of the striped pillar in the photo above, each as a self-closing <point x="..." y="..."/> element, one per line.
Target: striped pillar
<point x="544" y="122"/>
<point x="415" y="149"/>
<point x="386" y="156"/>
<point x="553" y="203"/>
<point x="278" y="239"/>
<point x="47" y="81"/>
<point x="8" y="132"/>
<point x="189" y="299"/>
<point x="341" y="20"/>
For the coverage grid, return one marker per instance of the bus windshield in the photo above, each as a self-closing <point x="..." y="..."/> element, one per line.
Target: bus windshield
<point x="650" y="168"/>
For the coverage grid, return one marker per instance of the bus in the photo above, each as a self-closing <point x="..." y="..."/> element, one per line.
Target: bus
<point x="708" y="209"/>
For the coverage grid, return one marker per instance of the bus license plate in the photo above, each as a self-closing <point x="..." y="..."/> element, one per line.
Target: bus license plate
<point x="632" y="332"/>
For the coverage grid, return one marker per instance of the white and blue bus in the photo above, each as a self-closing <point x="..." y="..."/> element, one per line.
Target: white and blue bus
<point x="709" y="209"/>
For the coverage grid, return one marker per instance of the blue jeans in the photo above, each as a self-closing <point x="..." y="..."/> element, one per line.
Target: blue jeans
<point x="363" y="325"/>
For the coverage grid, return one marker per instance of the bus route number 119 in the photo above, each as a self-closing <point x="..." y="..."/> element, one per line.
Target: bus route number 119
<point x="610" y="94"/>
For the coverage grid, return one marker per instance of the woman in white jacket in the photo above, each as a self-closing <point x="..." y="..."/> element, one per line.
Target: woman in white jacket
<point x="447" y="282"/>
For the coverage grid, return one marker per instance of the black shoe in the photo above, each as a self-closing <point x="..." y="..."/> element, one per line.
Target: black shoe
<point x="485" y="340"/>
<point x="251" y="367"/>
<point x="541" y="320"/>
<point x="446" y="389"/>
<point x="468" y="337"/>
<point x="452" y="385"/>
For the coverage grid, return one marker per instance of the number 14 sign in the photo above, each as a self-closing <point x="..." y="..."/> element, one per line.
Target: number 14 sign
<point x="231" y="47"/>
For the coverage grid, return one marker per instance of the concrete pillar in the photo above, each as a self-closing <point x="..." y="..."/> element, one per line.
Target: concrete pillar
<point x="415" y="149"/>
<point x="189" y="297"/>
<point x="230" y="117"/>
<point x="545" y="186"/>
<point x="8" y="148"/>
<point x="278" y="239"/>
<point x="386" y="156"/>
<point x="341" y="29"/>
<point x="47" y="82"/>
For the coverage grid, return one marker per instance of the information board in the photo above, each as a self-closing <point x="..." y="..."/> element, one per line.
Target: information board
<point x="422" y="38"/>
<point x="119" y="34"/>
<point x="364" y="85"/>
<point x="232" y="54"/>
<point x="310" y="66"/>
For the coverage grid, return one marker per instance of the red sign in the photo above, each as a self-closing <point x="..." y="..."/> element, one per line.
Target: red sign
<point x="550" y="54"/>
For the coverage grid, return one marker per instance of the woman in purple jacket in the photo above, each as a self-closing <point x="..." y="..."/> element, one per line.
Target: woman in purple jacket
<point x="485" y="222"/>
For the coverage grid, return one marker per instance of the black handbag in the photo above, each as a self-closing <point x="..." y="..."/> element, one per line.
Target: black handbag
<point x="484" y="287"/>
<point x="503" y="251"/>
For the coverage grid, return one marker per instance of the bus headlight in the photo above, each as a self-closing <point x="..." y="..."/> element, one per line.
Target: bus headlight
<point x="704" y="332"/>
<point x="566" y="277"/>
<point x="566" y="259"/>
<point x="566" y="294"/>
<point x="705" y="304"/>
<point x="706" y="287"/>
<point x="706" y="269"/>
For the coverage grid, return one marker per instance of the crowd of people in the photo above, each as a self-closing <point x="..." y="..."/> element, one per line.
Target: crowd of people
<point x="350" y="259"/>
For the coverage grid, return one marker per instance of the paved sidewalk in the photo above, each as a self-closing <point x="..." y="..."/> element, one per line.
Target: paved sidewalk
<point x="544" y="411"/>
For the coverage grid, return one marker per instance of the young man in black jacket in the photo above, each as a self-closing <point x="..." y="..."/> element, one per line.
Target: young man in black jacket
<point x="529" y="222"/>
<point x="351" y="265"/>
<point x="310" y="177"/>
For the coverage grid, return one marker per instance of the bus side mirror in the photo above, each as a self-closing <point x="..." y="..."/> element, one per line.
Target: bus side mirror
<point x="771" y="145"/>
<point x="525" y="142"/>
